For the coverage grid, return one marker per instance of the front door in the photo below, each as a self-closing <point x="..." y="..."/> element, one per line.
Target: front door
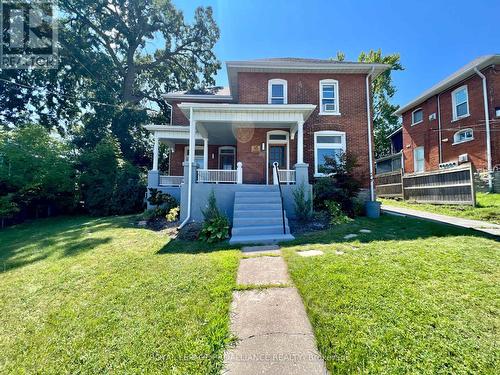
<point x="277" y="153"/>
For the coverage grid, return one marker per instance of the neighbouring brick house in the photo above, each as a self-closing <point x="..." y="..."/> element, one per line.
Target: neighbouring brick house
<point x="288" y="111"/>
<point x="456" y="120"/>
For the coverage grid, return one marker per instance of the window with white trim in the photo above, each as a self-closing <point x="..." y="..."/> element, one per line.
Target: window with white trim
<point x="199" y="157"/>
<point x="327" y="144"/>
<point x="419" y="159"/>
<point x="460" y="99"/>
<point x="277" y="91"/>
<point x="329" y="97"/>
<point x="464" y="135"/>
<point x="417" y="116"/>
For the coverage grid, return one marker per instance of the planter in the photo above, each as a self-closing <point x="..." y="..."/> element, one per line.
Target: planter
<point x="373" y="209"/>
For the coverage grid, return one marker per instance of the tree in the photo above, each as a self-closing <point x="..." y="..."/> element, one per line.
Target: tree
<point x="383" y="89"/>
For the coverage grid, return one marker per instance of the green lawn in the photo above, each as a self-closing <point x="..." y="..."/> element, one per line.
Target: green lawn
<point x="410" y="297"/>
<point x="487" y="208"/>
<point x="84" y="295"/>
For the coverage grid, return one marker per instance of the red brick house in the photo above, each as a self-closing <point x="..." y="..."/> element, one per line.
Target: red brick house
<point x="287" y="111"/>
<point x="455" y="121"/>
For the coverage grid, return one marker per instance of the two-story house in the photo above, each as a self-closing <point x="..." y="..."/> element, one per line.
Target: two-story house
<point x="455" y="121"/>
<point x="277" y="120"/>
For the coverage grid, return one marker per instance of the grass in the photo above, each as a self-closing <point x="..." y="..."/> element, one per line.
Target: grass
<point x="410" y="297"/>
<point x="83" y="295"/>
<point x="487" y="208"/>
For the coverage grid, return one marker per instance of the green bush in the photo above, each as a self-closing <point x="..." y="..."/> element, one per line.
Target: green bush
<point x="216" y="225"/>
<point x="337" y="216"/>
<point x="215" y="229"/>
<point x="159" y="199"/>
<point x="302" y="202"/>
<point x="173" y="214"/>
<point x="340" y="185"/>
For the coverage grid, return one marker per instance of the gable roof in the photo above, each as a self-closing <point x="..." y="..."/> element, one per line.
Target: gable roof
<point x="451" y="80"/>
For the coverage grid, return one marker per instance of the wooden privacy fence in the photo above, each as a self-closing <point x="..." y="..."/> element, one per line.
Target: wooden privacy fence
<point x="445" y="186"/>
<point x="389" y="185"/>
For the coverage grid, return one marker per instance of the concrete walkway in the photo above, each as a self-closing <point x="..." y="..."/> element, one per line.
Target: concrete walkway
<point x="478" y="225"/>
<point x="273" y="331"/>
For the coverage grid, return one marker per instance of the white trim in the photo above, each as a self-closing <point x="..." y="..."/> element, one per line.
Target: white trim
<point x="197" y="147"/>
<point x="413" y="119"/>
<point x="455" y="142"/>
<point x="329" y="82"/>
<point x="335" y="133"/>
<point x="415" y="159"/>
<point x="277" y="81"/>
<point x="279" y="142"/>
<point x="454" y="103"/>
<point x="226" y="148"/>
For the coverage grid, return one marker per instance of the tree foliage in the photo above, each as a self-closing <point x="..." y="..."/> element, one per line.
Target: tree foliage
<point x="383" y="89"/>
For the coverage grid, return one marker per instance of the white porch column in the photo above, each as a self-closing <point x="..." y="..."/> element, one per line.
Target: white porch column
<point x="239" y="173"/>
<point x="155" y="154"/>
<point x="300" y="142"/>
<point x="205" y="153"/>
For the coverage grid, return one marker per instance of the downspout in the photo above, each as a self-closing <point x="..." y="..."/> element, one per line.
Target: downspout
<point x="487" y="119"/>
<point x="370" y="151"/>
<point x="171" y="111"/>
<point x="190" y="167"/>
<point x="440" y="136"/>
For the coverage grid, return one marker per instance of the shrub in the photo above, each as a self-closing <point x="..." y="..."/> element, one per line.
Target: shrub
<point x="216" y="225"/>
<point x="337" y="216"/>
<point x="340" y="186"/>
<point x="173" y="214"/>
<point x="302" y="203"/>
<point x="159" y="199"/>
<point x="215" y="229"/>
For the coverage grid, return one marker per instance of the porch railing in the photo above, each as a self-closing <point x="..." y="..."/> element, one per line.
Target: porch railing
<point x="286" y="176"/>
<point x="171" y="180"/>
<point x="215" y="176"/>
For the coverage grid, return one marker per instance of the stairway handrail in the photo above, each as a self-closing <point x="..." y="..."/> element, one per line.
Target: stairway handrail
<point x="276" y="170"/>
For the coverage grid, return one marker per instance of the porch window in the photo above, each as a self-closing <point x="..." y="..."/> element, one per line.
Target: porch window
<point x="227" y="157"/>
<point x="329" y="97"/>
<point x="277" y="91"/>
<point x="327" y="144"/>
<point x="198" y="156"/>
<point x="460" y="99"/>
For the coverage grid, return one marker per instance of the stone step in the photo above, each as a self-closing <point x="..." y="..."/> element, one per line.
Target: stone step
<point x="262" y="198"/>
<point x="250" y="194"/>
<point x="256" y="213"/>
<point x="263" y="239"/>
<point x="258" y="221"/>
<point x="256" y="206"/>
<point x="258" y="230"/>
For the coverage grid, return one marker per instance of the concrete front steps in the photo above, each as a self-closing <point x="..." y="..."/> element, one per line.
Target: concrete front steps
<point x="257" y="218"/>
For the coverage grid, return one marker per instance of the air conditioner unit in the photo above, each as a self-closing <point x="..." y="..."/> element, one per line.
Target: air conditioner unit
<point x="447" y="165"/>
<point x="464" y="158"/>
<point x="432" y="116"/>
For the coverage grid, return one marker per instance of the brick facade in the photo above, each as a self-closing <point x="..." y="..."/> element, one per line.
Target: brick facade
<point x="426" y="133"/>
<point x="302" y="89"/>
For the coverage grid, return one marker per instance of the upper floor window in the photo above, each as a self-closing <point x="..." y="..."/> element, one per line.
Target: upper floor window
<point x="418" y="159"/>
<point x="329" y="97"/>
<point x="460" y="99"/>
<point x="277" y="91"/>
<point x="417" y="116"/>
<point x="463" y="135"/>
<point x="327" y="144"/>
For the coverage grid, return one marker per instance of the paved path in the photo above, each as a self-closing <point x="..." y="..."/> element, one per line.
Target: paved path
<point x="273" y="331"/>
<point x="478" y="225"/>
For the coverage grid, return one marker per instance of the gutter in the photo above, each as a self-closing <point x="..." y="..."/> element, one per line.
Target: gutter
<point x="190" y="167"/>
<point x="488" y="136"/>
<point x="440" y="136"/>
<point x="370" y="151"/>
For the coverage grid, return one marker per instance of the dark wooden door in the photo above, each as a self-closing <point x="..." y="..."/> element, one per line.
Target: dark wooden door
<point x="277" y="153"/>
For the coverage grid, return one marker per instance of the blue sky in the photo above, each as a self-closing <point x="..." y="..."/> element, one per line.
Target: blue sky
<point x="434" y="38"/>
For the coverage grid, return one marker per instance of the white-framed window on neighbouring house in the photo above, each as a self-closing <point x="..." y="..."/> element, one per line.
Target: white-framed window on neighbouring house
<point x="199" y="158"/>
<point x="277" y="91"/>
<point x="460" y="102"/>
<point x="329" y="97"/>
<point x="327" y="144"/>
<point x="419" y="159"/>
<point x="464" y="135"/>
<point x="417" y="116"/>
